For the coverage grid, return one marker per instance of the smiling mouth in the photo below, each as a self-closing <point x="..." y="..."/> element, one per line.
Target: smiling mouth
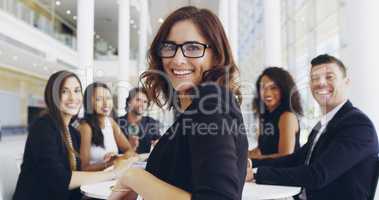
<point x="182" y="72"/>
<point x="322" y="92"/>
<point x="268" y="98"/>
<point x="72" y="106"/>
<point x="105" y="109"/>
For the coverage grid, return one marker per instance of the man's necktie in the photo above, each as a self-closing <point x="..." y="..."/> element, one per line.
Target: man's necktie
<point x="312" y="138"/>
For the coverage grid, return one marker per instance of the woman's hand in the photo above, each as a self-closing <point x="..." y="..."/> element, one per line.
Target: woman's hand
<point x="121" y="165"/>
<point x="255" y="153"/>
<point x="109" y="157"/>
<point x="249" y="171"/>
<point x="134" y="141"/>
<point x="122" y="193"/>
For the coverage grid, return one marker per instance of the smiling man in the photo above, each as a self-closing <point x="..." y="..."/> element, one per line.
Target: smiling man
<point x="339" y="159"/>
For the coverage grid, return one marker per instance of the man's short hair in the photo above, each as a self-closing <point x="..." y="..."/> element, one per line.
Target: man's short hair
<point x="133" y="92"/>
<point x="326" y="59"/>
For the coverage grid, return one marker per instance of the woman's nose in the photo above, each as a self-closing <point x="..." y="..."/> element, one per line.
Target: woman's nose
<point x="179" y="57"/>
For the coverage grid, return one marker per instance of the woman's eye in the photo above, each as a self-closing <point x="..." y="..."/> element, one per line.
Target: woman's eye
<point x="168" y="47"/>
<point x="192" y="47"/>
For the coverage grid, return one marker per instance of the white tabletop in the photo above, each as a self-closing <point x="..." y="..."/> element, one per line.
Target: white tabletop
<point x="251" y="191"/>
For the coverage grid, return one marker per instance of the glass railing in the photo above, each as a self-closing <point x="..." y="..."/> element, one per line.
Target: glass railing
<point x="42" y="18"/>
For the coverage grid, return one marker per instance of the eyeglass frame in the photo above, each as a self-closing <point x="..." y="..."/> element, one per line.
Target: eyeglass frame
<point x="206" y="46"/>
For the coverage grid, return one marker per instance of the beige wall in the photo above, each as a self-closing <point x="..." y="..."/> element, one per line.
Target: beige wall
<point x="23" y="85"/>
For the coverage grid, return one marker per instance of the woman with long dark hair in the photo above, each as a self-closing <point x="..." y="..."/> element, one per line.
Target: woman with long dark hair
<point x="101" y="137"/>
<point x="51" y="164"/>
<point x="278" y="106"/>
<point x="204" y="153"/>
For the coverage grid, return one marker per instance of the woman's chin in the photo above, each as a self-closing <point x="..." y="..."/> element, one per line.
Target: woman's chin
<point x="184" y="87"/>
<point x="71" y="112"/>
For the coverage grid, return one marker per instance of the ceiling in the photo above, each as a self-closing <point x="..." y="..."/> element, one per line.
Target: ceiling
<point x="106" y="26"/>
<point x="106" y="15"/>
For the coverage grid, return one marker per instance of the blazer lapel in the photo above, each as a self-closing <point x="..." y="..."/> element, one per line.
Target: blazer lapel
<point x="329" y="130"/>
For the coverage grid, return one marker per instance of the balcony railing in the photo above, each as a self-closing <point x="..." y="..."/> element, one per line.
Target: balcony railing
<point x="41" y="18"/>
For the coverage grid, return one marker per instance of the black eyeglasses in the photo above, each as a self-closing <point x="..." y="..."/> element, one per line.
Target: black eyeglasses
<point x="189" y="49"/>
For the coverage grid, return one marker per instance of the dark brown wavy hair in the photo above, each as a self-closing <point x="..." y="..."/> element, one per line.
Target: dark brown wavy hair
<point x="224" y="72"/>
<point x="290" y="96"/>
<point x="53" y="92"/>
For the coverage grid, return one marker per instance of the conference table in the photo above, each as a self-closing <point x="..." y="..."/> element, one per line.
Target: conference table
<point x="251" y="191"/>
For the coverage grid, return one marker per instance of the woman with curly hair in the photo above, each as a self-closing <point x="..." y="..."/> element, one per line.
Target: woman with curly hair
<point x="277" y="105"/>
<point x="204" y="153"/>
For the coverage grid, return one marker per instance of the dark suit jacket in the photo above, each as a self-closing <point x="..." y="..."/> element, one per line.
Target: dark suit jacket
<point x="342" y="165"/>
<point x="204" y="152"/>
<point x="45" y="170"/>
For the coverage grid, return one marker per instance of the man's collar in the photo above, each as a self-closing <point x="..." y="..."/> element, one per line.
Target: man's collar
<point x="329" y="116"/>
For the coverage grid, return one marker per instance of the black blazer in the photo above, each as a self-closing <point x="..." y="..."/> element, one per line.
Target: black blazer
<point x="342" y="165"/>
<point x="45" y="170"/>
<point x="205" y="151"/>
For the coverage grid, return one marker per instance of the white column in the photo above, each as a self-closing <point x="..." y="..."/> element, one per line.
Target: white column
<point x="85" y="34"/>
<point x="223" y="14"/>
<point x="359" y="33"/>
<point x="144" y="21"/>
<point x="123" y="85"/>
<point x="233" y="31"/>
<point x="228" y="14"/>
<point x="272" y="33"/>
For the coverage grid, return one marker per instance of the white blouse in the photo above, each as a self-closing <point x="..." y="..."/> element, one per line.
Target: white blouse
<point x="97" y="153"/>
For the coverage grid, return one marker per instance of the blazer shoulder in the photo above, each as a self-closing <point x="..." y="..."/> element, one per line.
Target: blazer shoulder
<point x="211" y="94"/>
<point x="356" y="116"/>
<point x="44" y="121"/>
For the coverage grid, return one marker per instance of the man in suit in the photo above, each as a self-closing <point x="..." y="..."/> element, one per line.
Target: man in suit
<point x="339" y="160"/>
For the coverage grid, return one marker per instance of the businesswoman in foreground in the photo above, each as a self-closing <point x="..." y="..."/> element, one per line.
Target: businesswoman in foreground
<point x="204" y="153"/>
<point x="50" y="163"/>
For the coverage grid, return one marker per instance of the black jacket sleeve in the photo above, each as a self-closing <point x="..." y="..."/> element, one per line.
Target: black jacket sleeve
<point x="214" y="147"/>
<point x="295" y="159"/>
<point x="214" y="163"/>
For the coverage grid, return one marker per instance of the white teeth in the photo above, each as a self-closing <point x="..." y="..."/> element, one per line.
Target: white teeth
<point x="72" y="105"/>
<point x="322" y="92"/>
<point x="182" y="72"/>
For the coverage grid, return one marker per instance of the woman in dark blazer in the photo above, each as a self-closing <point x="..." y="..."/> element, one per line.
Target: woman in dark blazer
<point x="204" y="153"/>
<point x="50" y="167"/>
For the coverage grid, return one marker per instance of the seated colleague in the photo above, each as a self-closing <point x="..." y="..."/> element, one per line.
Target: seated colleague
<point x="142" y="131"/>
<point x="101" y="137"/>
<point x="339" y="159"/>
<point x="204" y="153"/>
<point x="50" y="164"/>
<point x="277" y="105"/>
